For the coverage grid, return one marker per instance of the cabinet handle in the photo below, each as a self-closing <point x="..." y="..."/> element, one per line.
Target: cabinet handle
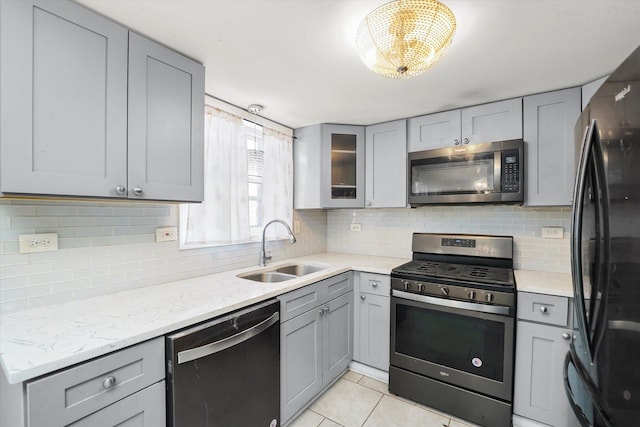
<point x="121" y="189"/>
<point x="137" y="191"/>
<point x="544" y="309"/>
<point x="465" y="141"/>
<point x="326" y="309"/>
<point x="456" y="142"/>
<point x="374" y="284"/>
<point x="109" y="382"/>
<point x="363" y="297"/>
<point x="321" y="311"/>
<point x="566" y="336"/>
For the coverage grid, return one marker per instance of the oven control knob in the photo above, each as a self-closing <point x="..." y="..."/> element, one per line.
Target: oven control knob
<point x="445" y="291"/>
<point x="420" y="287"/>
<point x="472" y="294"/>
<point x="489" y="297"/>
<point x="407" y="285"/>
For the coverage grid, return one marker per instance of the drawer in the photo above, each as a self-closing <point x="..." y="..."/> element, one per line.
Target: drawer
<point x="69" y="395"/>
<point x="145" y="408"/>
<point x="301" y="300"/>
<point x="550" y="309"/>
<point x="378" y="284"/>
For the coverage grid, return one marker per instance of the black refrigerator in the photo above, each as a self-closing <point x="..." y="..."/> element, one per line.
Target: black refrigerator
<point x="602" y="369"/>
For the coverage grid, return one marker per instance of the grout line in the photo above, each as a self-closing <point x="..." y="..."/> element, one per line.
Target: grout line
<point x="374" y="406"/>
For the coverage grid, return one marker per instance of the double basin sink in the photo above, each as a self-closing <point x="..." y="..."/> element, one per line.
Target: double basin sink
<point x="281" y="274"/>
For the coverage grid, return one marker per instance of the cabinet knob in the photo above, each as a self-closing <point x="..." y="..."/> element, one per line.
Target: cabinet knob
<point x="374" y="284"/>
<point x="368" y="203"/>
<point x="544" y="309"/>
<point x="363" y="297"/>
<point x="121" y="189"/>
<point x="456" y="142"/>
<point x="566" y="336"/>
<point x="109" y="382"/>
<point x="465" y="141"/>
<point x="321" y="311"/>
<point x="326" y="309"/>
<point x="137" y="191"/>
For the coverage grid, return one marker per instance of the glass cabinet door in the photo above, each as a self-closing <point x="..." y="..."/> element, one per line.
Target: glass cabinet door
<point x="343" y="164"/>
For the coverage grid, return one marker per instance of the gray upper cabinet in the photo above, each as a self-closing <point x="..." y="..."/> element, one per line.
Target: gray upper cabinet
<point x="342" y="166"/>
<point x="68" y="79"/>
<point x="166" y="123"/>
<point x="434" y="131"/>
<point x="496" y="121"/>
<point x="549" y="120"/>
<point x="63" y="97"/>
<point x="386" y="165"/>
<point x="329" y="163"/>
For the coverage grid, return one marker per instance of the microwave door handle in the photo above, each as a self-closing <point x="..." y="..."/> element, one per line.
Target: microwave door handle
<point x="497" y="172"/>
<point x="576" y="234"/>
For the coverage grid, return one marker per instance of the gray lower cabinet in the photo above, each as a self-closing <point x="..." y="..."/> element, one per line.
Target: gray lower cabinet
<point x="372" y="321"/>
<point x="316" y="343"/>
<point x="542" y="341"/>
<point x="125" y="388"/>
<point x="85" y="111"/>
<point x="550" y="152"/>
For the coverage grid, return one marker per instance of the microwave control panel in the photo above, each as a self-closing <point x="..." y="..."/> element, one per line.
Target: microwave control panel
<point x="510" y="171"/>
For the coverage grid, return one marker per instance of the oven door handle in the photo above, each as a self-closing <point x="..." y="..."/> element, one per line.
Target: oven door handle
<point x="463" y="305"/>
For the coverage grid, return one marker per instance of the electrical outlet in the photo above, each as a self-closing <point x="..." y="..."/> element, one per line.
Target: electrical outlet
<point x="356" y="227"/>
<point x="552" y="232"/>
<point x="166" y="234"/>
<point x="296" y="226"/>
<point x="42" y="242"/>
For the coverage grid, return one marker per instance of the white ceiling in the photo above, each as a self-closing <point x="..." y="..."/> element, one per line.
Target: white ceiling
<point x="297" y="57"/>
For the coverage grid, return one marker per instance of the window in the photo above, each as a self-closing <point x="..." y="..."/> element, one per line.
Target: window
<point x="248" y="181"/>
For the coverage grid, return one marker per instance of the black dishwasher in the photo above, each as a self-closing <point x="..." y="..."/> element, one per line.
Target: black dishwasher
<point x="226" y="372"/>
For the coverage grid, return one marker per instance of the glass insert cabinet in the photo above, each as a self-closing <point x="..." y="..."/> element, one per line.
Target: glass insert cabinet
<point x="343" y="164"/>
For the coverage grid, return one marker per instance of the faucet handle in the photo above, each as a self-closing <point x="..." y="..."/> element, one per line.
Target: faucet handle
<point x="267" y="256"/>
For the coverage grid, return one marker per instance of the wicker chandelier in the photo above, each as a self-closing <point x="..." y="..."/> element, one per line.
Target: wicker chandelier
<point x="405" y="37"/>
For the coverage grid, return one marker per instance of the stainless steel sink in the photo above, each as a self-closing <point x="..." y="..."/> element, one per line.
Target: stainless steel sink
<point x="300" y="269"/>
<point x="268" y="277"/>
<point x="281" y="274"/>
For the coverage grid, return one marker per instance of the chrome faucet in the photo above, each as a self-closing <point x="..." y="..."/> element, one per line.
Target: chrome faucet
<point x="263" y="254"/>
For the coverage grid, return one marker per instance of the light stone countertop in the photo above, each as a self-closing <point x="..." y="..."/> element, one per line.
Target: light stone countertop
<point x="541" y="282"/>
<point x="42" y="340"/>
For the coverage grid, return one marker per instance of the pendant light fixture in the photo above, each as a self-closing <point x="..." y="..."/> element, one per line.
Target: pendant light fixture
<point x="404" y="38"/>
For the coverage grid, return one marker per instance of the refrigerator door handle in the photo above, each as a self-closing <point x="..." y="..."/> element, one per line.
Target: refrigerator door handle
<point x="576" y="231"/>
<point x="590" y="388"/>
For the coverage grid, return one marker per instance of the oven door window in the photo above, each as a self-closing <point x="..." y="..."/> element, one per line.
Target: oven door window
<point x="469" y="174"/>
<point x="468" y="344"/>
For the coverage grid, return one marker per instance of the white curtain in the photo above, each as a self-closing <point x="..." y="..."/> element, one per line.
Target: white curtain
<point x="223" y="217"/>
<point x="277" y="182"/>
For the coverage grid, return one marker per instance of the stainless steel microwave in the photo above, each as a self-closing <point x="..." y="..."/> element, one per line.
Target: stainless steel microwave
<point x="476" y="173"/>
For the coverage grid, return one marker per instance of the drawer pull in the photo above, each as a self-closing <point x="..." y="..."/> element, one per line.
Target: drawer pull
<point x="362" y="297"/>
<point x="109" y="382"/>
<point x="566" y="336"/>
<point x="374" y="284"/>
<point x="544" y="309"/>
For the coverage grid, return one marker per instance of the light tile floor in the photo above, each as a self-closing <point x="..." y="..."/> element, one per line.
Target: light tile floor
<point x="359" y="401"/>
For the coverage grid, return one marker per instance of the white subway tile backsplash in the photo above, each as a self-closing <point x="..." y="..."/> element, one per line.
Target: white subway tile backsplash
<point x="387" y="232"/>
<point x="110" y="246"/>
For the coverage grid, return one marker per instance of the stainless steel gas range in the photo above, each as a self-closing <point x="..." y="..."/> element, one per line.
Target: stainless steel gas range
<point x="453" y="326"/>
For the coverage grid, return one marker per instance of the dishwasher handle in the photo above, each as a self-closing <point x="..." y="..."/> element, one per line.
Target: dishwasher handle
<point x="215" y="347"/>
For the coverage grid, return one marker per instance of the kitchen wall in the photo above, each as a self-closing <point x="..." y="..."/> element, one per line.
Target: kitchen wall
<point x="387" y="232"/>
<point x="107" y="247"/>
